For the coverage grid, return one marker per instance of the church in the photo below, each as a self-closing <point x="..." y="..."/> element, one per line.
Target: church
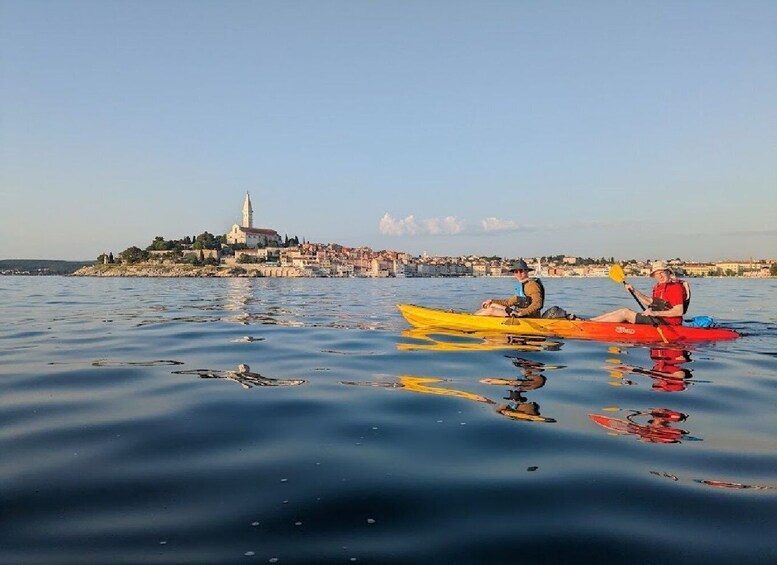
<point x="250" y="236"/>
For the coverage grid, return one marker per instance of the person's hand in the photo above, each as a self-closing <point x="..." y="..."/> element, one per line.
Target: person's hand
<point x="629" y="288"/>
<point x="486" y="303"/>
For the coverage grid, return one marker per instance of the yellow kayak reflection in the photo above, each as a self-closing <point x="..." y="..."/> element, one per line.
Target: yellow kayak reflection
<point x="453" y="340"/>
<point x="518" y="407"/>
<point x="421" y="384"/>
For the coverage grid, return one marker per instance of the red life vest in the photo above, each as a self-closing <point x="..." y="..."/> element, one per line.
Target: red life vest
<point x="669" y="294"/>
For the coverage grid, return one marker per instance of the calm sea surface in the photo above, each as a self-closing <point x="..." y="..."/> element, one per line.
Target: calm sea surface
<point x="129" y="433"/>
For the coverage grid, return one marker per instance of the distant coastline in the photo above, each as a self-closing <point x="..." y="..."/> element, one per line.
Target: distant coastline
<point x="376" y="267"/>
<point x="253" y="271"/>
<point x="39" y="267"/>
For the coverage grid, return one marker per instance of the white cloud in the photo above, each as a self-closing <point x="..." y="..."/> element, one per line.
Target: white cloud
<point x="450" y="225"/>
<point x="398" y="226"/>
<point x="497" y="224"/>
<point x="446" y="226"/>
<point x="409" y="226"/>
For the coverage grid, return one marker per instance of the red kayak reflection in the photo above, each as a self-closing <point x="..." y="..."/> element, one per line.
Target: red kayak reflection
<point x="654" y="426"/>
<point x="668" y="373"/>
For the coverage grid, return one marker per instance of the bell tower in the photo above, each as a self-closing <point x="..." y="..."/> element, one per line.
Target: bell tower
<point x="248" y="213"/>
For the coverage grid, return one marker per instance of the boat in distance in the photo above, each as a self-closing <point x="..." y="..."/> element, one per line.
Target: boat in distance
<point x="423" y="317"/>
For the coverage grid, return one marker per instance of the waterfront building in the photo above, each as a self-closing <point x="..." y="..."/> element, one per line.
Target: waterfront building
<point x="250" y="236"/>
<point x="699" y="269"/>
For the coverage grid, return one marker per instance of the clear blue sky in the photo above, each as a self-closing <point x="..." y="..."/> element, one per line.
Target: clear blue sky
<point x="642" y="129"/>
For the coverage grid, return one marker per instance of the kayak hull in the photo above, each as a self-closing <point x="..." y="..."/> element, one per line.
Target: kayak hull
<point x="420" y="316"/>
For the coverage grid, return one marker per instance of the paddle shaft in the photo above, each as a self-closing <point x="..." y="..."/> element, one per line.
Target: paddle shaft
<point x="653" y="319"/>
<point x="631" y="291"/>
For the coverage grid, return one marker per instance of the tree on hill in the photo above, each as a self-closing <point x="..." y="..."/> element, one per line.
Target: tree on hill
<point x="133" y="255"/>
<point x="162" y="244"/>
<point x="207" y="241"/>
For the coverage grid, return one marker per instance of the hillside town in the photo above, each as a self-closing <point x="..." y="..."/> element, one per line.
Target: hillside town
<point x="261" y="252"/>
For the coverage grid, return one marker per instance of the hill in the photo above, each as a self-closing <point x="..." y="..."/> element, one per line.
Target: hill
<point x="40" y="266"/>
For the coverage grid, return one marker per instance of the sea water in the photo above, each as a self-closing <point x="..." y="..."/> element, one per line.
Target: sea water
<point x="299" y="421"/>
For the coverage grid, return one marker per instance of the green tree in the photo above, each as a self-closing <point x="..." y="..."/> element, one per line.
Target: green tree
<point x="133" y="255"/>
<point x="773" y="270"/>
<point x="161" y="244"/>
<point x="206" y="241"/>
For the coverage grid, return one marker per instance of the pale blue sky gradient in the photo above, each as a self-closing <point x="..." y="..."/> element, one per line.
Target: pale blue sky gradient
<point x="602" y="128"/>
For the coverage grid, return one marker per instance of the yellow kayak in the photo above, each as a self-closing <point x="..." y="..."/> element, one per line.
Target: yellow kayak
<point x="422" y="317"/>
<point x="560" y="327"/>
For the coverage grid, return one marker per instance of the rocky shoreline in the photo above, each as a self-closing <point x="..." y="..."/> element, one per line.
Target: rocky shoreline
<point x="156" y="270"/>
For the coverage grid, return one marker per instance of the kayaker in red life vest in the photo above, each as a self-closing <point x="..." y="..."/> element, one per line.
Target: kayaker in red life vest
<point x="527" y="302"/>
<point x="666" y="306"/>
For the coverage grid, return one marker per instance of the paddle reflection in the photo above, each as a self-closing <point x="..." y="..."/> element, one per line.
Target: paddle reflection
<point x="424" y="385"/>
<point x="518" y="406"/>
<point x="714" y="483"/>
<point x="452" y="340"/>
<point x="658" y="425"/>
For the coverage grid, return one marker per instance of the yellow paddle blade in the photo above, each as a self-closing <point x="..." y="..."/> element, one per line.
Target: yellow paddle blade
<point x="617" y="274"/>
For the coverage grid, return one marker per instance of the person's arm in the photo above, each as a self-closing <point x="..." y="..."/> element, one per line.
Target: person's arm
<point x="676" y="310"/>
<point x="504" y="302"/>
<point x="674" y="297"/>
<point x="643" y="298"/>
<point x="534" y="294"/>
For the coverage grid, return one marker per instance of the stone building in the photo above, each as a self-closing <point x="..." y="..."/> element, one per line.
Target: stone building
<point x="250" y="236"/>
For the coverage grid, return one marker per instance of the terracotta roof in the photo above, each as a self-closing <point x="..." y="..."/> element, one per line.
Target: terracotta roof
<point x="261" y="231"/>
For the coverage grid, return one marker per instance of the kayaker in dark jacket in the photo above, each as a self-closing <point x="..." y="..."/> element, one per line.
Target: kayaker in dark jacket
<point x="527" y="302"/>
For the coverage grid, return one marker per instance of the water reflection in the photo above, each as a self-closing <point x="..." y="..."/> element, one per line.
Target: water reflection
<point x="243" y="376"/>
<point x="239" y="294"/>
<point x="667" y="373"/>
<point x="730" y="485"/>
<point x="108" y="363"/>
<point x="247" y="339"/>
<point x="518" y="407"/>
<point x="658" y="425"/>
<point x="714" y="483"/>
<point x="423" y="385"/>
<point x="451" y="340"/>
